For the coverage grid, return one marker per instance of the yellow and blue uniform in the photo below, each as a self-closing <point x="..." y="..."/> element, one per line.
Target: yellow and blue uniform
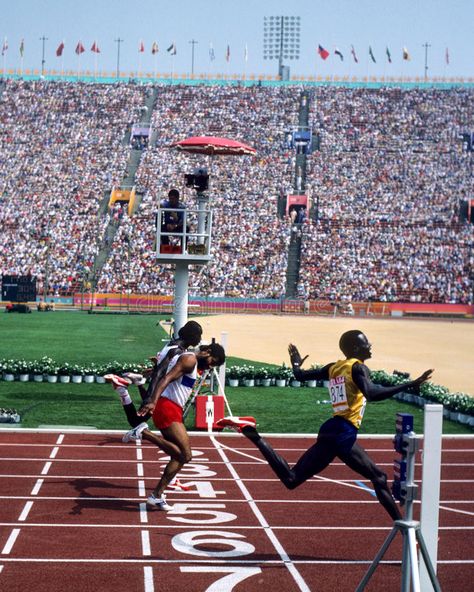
<point x="347" y="399"/>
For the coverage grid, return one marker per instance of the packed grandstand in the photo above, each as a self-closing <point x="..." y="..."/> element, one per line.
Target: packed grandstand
<point x="386" y="183"/>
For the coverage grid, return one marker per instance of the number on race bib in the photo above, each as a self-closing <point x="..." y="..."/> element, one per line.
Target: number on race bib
<point x="337" y="392"/>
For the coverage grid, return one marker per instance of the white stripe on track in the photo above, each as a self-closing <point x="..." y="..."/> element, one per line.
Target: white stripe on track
<point x="26" y="510"/>
<point x="143" y="513"/>
<point x="141" y="488"/>
<point x="148" y="577"/>
<point x="146" y="550"/>
<point x="54" y="451"/>
<point x="10" y="541"/>
<point x="60" y="439"/>
<point x="139" y="454"/>
<point x="140" y="469"/>
<point x="46" y="468"/>
<point x="37" y="487"/>
<point x="263" y="523"/>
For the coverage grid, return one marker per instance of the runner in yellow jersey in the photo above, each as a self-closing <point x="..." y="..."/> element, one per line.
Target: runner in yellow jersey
<point x="350" y="388"/>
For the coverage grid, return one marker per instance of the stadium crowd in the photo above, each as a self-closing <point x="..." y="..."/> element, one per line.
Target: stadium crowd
<point x="385" y="188"/>
<point x="61" y="149"/>
<point x="250" y="242"/>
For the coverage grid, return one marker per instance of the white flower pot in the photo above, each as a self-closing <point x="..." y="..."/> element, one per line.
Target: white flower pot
<point x="8" y="377"/>
<point x="233" y="382"/>
<point x="89" y="378"/>
<point x="471" y="421"/>
<point x="65" y="378"/>
<point x="77" y="379"/>
<point x="266" y="382"/>
<point x="295" y="383"/>
<point x="52" y="378"/>
<point x="280" y="382"/>
<point x="24" y="377"/>
<point x="249" y="382"/>
<point x="38" y="377"/>
<point x="463" y="418"/>
<point x="311" y="383"/>
<point x="100" y="379"/>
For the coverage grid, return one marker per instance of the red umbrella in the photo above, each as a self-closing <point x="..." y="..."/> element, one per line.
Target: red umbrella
<point x="211" y="145"/>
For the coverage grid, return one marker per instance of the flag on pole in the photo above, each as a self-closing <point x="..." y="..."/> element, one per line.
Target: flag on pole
<point x="172" y="49"/>
<point x="324" y="53"/>
<point x="389" y="56"/>
<point x="371" y="54"/>
<point x="212" y="55"/>
<point x="22" y="47"/>
<point x="353" y="52"/>
<point x="141" y="47"/>
<point x="446" y="57"/>
<point x="338" y="52"/>
<point x="80" y="48"/>
<point x="59" y="51"/>
<point x="406" y="55"/>
<point x="227" y="54"/>
<point x="5" y="46"/>
<point x="154" y="48"/>
<point x="95" y="48"/>
<point x="246" y="53"/>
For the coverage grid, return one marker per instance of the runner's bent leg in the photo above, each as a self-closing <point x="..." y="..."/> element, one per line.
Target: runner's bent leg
<point x="358" y="460"/>
<point x="313" y="461"/>
<point x="176" y="436"/>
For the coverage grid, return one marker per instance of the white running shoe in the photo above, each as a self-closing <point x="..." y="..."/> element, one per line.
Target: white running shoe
<point x="135" y="433"/>
<point x="135" y="378"/>
<point x="159" y="503"/>
<point x="177" y="485"/>
<point x="236" y="423"/>
<point x="117" y="381"/>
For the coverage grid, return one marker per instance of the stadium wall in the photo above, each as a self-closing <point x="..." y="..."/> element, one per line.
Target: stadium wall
<point x="198" y="305"/>
<point x="240" y="80"/>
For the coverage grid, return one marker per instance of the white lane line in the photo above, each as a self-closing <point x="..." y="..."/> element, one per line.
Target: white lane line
<point x="143" y="513"/>
<point x="37" y="487"/>
<point x="26" y="510"/>
<point x="46" y="468"/>
<point x="146" y="550"/>
<point x="1" y="568"/>
<point x="148" y="577"/>
<point x="264" y="524"/>
<point x="141" y="488"/>
<point x="54" y="452"/>
<point x="60" y="439"/>
<point x="140" y="470"/>
<point x="139" y="454"/>
<point x="10" y="541"/>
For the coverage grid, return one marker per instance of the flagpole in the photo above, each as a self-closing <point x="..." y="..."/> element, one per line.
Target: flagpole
<point x="43" y="39"/>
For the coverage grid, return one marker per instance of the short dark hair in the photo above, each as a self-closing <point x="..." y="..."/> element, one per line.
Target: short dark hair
<point x="173" y="193"/>
<point x="191" y="332"/>
<point x="348" y="340"/>
<point x="216" y="350"/>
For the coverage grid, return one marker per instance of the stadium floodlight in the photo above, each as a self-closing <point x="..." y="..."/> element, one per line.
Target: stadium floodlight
<point x="281" y="40"/>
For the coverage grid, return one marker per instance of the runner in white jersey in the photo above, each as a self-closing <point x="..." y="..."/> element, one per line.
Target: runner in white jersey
<point x="188" y="336"/>
<point x="166" y="404"/>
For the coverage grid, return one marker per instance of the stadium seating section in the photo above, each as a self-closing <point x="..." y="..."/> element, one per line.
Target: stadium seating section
<point x="386" y="188"/>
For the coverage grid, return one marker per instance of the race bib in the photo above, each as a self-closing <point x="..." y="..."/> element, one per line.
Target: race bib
<point x="337" y="392"/>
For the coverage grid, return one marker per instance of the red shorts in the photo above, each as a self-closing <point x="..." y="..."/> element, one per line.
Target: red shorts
<point x="167" y="412"/>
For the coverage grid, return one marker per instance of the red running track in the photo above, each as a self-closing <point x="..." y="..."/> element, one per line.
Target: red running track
<point x="72" y="518"/>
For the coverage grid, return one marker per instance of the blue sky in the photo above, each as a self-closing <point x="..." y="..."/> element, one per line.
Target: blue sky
<point x="331" y="23"/>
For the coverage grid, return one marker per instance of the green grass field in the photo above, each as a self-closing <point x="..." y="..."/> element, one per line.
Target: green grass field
<point x="78" y="337"/>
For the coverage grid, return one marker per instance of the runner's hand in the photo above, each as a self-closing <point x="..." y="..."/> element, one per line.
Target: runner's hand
<point x="147" y="407"/>
<point x="423" y="378"/>
<point x="295" y="357"/>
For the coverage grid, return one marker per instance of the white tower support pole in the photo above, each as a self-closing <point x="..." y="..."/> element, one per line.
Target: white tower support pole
<point x="180" y="313"/>
<point x="203" y="202"/>
<point x="431" y="477"/>
<point x="222" y="368"/>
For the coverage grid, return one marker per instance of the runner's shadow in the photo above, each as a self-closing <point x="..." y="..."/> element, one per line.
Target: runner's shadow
<point x="88" y="500"/>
